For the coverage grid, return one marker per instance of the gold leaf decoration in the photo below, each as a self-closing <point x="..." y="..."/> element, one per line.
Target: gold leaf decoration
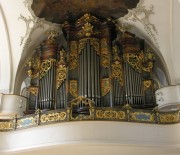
<point x="45" y="67"/>
<point x="105" y="86"/>
<point x="73" y="88"/>
<point x="73" y="55"/>
<point x="110" y="114"/>
<point x="104" y="53"/>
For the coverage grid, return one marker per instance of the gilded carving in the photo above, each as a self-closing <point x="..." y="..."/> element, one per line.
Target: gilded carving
<point x="104" y="53"/>
<point x="73" y="88"/>
<point x="86" y="102"/>
<point x="134" y="60"/>
<point x="149" y="58"/>
<point x="82" y="43"/>
<point x="33" y="65"/>
<point x="61" y="70"/>
<point x="142" y="116"/>
<point x="169" y="118"/>
<point x="25" y="122"/>
<point x="117" y="70"/>
<point x="53" y="117"/>
<point x="93" y="41"/>
<point x="105" y="86"/>
<point x="33" y="90"/>
<point x="87" y="30"/>
<point x="73" y="55"/>
<point x="110" y="114"/>
<point x="87" y="18"/>
<point x="147" y="84"/>
<point x="8" y="125"/>
<point x="45" y="67"/>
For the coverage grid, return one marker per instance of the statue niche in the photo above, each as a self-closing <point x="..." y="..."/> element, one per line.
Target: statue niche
<point x="109" y="70"/>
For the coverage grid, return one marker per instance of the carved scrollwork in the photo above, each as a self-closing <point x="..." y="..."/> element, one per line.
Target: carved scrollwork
<point x="61" y="69"/>
<point x="33" y="66"/>
<point x="117" y="70"/>
<point x="87" y="18"/>
<point x="104" y="53"/>
<point x="93" y="41"/>
<point x="134" y="60"/>
<point x="147" y="84"/>
<point x="85" y="101"/>
<point x="45" y="67"/>
<point x="73" y="55"/>
<point x="33" y="90"/>
<point x="169" y="118"/>
<point x="110" y="114"/>
<point x="87" y="29"/>
<point x="73" y="88"/>
<point x="52" y="117"/>
<point x="82" y="43"/>
<point x="148" y="62"/>
<point x="6" y="125"/>
<point x="105" y="86"/>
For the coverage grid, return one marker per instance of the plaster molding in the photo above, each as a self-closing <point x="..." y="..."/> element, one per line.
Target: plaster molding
<point x="32" y="23"/>
<point x="141" y="14"/>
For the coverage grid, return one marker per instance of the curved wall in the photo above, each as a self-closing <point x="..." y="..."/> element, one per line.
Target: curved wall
<point x="91" y="132"/>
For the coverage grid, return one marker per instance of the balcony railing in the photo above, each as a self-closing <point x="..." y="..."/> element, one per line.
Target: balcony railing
<point x="125" y="114"/>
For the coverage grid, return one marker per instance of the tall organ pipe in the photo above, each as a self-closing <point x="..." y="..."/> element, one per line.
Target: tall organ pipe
<point x="46" y="95"/>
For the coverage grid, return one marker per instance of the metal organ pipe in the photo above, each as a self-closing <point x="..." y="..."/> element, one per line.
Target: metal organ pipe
<point x="92" y="73"/>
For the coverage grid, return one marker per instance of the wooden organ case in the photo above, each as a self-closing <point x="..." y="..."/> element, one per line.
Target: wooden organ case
<point x="97" y="65"/>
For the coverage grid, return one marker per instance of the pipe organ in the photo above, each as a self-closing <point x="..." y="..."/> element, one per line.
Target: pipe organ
<point x="108" y="67"/>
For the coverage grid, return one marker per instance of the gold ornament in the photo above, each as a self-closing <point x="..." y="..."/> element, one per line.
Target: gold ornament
<point x="73" y="88"/>
<point x="105" y="86"/>
<point x="73" y="55"/>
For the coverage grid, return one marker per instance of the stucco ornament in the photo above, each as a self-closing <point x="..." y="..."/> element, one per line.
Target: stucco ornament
<point x="32" y="23"/>
<point x="141" y="14"/>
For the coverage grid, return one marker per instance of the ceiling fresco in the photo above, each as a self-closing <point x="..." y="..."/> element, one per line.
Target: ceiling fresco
<point x="58" y="11"/>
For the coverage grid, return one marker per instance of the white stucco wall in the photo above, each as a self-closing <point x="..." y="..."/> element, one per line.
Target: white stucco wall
<point x="122" y="136"/>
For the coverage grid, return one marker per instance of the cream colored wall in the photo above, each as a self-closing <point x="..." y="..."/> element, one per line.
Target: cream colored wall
<point x="96" y="137"/>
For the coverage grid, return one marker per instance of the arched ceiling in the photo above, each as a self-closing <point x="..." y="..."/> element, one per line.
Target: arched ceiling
<point x="58" y="11"/>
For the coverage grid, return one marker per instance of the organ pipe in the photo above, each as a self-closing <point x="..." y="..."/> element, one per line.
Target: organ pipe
<point x="90" y="69"/>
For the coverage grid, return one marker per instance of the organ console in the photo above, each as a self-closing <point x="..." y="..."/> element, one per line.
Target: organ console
<point x="96" y="65"/>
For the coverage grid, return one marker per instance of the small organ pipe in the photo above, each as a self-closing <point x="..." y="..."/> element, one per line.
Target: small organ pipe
<point x="88" y="69"/>
<point x="92" y="72"/>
